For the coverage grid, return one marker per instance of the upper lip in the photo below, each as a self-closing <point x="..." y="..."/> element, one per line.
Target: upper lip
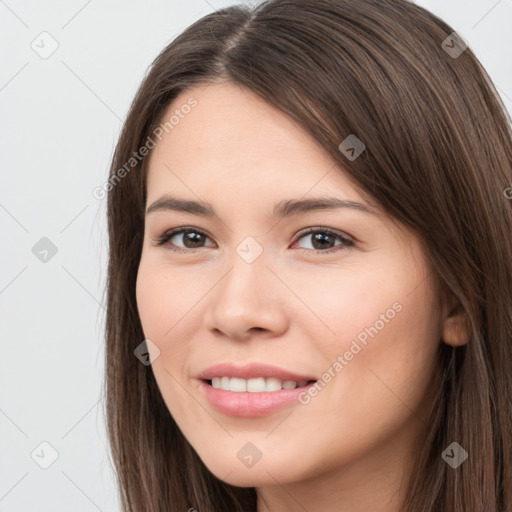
<point x="251" y="371"/>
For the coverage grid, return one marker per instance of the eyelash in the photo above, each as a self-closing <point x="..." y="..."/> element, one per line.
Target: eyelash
<point x="346" y="242"/>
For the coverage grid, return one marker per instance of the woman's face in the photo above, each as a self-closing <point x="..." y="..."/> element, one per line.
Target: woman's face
<point x="352" y="305"/>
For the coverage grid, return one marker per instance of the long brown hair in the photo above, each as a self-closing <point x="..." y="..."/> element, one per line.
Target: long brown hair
<point x="438" y="159"/>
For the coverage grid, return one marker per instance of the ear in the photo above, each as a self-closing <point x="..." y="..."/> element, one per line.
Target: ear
<point x="455" y="328"/>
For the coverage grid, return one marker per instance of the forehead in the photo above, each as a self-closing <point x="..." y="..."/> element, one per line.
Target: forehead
<point x="231" y="137"/>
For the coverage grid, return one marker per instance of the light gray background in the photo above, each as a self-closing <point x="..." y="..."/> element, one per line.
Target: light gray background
<point x="60" y="119"/>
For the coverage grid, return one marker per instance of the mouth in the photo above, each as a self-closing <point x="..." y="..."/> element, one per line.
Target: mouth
<point x="252" y="398"/>
<point x="252" y="389"/>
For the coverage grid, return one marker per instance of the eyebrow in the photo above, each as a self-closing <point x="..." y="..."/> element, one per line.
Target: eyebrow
<point x="285" y="208"/>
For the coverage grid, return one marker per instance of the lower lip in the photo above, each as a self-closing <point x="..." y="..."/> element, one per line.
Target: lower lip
<point x="250" y="405"/>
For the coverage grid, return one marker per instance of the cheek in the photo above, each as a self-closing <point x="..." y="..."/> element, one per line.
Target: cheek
<point x="151" y="304"/>
<point x="352" y="303"/>
<point x="385" y="356"/>
<point x="381" y="348"/>
<point x="371" y="389"/>
<point x="160" y="310"/>
<point x="165" y="300"/>
<point x="377" y="311"/>
<point x="403" y="359"/>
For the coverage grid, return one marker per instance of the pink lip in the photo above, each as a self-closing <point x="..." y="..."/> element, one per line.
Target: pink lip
<point x="248" y="404"/>
<point x="251" y="371"/>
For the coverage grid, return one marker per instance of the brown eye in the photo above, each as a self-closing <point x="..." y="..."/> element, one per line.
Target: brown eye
<point x="190" y="238"/>
<point x="324" y="240"/>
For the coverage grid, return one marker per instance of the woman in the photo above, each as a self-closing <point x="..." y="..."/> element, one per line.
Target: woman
<point x="311" y="259"/>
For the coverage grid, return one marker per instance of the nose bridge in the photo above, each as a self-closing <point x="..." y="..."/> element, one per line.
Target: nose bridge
<point x="241" y="290"/>
<point x="246" y="297"/>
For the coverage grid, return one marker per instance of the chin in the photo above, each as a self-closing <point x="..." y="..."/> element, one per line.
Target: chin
<point x="261" y="473"/>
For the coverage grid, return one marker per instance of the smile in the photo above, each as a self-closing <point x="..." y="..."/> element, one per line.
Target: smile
<point x="251" y="389"/>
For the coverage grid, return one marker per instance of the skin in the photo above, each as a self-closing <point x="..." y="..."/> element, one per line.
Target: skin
<point x="352" y="446"/>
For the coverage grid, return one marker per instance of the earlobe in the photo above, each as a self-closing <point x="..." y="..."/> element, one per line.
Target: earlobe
<point x="456" y="329"/>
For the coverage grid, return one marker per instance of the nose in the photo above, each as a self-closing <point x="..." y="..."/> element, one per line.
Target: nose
<point x="248" y="301"/>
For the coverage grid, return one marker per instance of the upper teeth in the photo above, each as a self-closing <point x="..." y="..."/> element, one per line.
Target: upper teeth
<point x="257" y="385"/>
